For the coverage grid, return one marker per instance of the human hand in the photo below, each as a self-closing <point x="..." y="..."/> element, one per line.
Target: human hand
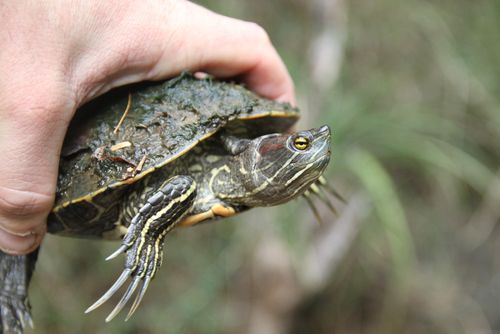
<point x="57" y="55"/>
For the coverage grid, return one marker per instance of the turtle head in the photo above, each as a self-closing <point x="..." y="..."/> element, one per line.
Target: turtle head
<point x="283" y="166"/>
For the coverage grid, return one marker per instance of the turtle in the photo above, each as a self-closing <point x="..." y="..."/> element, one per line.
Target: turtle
<point x="144" y="159"/>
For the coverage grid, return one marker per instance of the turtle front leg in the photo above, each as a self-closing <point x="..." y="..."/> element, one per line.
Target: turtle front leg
<point x="144" y="240"/>
<point x="15" y="276"/>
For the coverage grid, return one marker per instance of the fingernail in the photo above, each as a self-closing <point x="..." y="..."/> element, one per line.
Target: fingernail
<point x="287" y="98"/>
<point x="17" y="245"/>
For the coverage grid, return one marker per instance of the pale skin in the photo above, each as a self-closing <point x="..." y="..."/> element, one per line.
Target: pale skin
<point x="56" y="55"/>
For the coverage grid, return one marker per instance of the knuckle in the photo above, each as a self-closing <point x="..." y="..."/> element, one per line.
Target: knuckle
<point x="21" y="204"/>
<point x="258" y="33"/>
<point x="19" y="245"/>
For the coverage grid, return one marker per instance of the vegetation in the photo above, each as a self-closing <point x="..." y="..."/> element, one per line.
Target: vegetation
<point x="411" y="91"/>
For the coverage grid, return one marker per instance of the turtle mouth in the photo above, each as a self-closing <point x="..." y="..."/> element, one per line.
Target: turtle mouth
<point x="323" y="156"/>
<point x="322" y="162"/>
<point x="312" y="170"/>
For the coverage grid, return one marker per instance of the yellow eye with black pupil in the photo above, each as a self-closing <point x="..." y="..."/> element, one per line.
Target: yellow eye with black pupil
<point x="301" y="143"/>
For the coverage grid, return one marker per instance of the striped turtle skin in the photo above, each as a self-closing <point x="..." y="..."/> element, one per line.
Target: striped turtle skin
<point x="145" y="159"/>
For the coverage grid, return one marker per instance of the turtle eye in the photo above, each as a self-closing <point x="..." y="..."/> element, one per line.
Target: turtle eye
<point x="301" y="143"/>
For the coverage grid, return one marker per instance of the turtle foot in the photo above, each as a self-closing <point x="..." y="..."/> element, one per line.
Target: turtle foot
<point x="143" y="259"/>
<point x="143" y="243"/>
<point x="15" y="275"/>
<point x="15" y="314"/>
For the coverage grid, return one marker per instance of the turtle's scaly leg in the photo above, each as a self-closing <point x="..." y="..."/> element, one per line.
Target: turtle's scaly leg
<point x="15" y="276"/>
<point x="216" y="210"/>
<point x="144" y="240"/>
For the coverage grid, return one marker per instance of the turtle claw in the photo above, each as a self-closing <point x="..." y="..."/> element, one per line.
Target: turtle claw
<point x="322" y="182"/>
<point x="307" y="196"/>
<point x="130" y="290"/>
<point x="317" y="189"/>
<point x="143" y="243"/>
<point x="142" y="260"/>
<point x="20" y="316"/>
<point x="119" y="282"/>
<point x="29" y="320"/>
<point x="117" y="252"/>
<point x="138" y="298"/>
<point x="322" y="189"/>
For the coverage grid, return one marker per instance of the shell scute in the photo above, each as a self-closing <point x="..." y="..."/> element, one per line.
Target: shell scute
<point x="164" y="121"/>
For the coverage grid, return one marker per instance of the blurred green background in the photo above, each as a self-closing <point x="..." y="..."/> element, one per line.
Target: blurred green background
<point x="410" y="89"/>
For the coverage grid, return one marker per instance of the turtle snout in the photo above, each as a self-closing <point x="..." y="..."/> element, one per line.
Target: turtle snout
<point x="325" y="129"/>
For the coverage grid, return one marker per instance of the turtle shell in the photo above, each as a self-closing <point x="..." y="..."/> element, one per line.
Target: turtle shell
<point x="162" y="122"/>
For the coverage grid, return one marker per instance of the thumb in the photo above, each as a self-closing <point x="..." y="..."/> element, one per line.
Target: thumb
<point x="32" y="129"/>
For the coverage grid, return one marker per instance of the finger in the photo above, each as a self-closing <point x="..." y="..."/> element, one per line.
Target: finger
<point x="227" y="47"/>
<point x="22" y="221"/>
<point x="35" y="108"/>
<point x="136" y="41"/>
<point x="156" y="42"/>
<point x="15" y="245"/>
<point x="31" y="133"/>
